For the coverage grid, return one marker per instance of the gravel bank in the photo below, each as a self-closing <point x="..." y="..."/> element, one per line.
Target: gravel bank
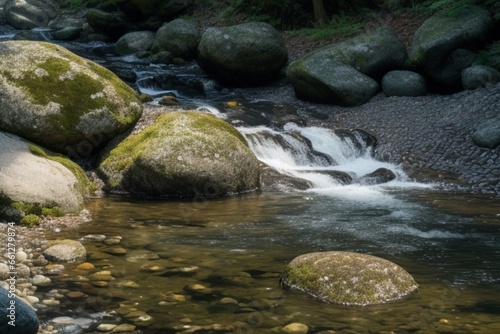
<point x="430" y="135"/>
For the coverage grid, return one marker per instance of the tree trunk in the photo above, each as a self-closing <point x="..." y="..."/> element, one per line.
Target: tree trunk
<point x="320" y="16"/>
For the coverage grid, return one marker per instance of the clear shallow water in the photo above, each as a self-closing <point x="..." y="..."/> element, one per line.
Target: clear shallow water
<point x="239" y="246"/>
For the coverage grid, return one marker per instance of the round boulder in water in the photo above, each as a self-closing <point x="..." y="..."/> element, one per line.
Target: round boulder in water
<point x="348" y="278"/>
<point x="243" y="55"/>
<point x="30" y="14"/>
<point x="183" y="154"/>
<point x="60" y="100"/>
<point x="134" y="42"/>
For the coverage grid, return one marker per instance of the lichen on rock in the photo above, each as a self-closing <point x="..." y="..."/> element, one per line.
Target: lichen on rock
<point x="58" y="99"/>
<point x="183" y="154"/>
<point x="348" y="278"/>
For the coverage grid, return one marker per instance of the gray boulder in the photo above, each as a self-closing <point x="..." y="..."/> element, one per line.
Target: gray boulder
<point x="67" y="33"/>
<point x="404" y="83"/>
<point x="17" y="312"/>
<point x="60" y="100"/>
<point x="31" y="176"/>
<point x="29" y="14"/>
<point x="348" y="278"/>
<point x="345" y="73"/>
<point x="67" y="251"/>
<point x="114" y="25"/>
<point x="478" y="76"/>
<point x="180" y="37"/>
<point x="134" y="42"/>
<point x="441" y="35"/>
<point x="487" y="134"/>
<point x="183" y="154"/>
<point x="242" y="55"/>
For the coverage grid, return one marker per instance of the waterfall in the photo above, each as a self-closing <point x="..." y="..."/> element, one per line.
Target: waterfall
<point x="324" y="157"/>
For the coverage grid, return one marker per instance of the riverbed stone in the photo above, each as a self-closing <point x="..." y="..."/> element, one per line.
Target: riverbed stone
<point x="404" y="83"/>
<point x="29" y="14"/>
<point x="25" y="318"/>
<point x="478" y="76"/>
<point x="348" y="278"/>
<point x="133" y="42"/>
<point x="113" y="25"/>
<point x="65" y="251"/>
<point x="180" y="37"/>
<point x="346" y="73"/>
<point x="487" y="134"/>
<point x="441" y="35"/>
<point x="295" y="328"/>
<point x="183" y="154"/>
<point x="246" y="54"/>
<point x="60" y="100"/>
<point x="34" y="181"/>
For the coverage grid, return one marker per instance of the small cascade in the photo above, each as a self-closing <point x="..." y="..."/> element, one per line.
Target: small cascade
<point x="325" y="158"/>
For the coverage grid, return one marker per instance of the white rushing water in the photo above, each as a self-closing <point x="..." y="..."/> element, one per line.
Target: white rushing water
<point x="314" y="154"/>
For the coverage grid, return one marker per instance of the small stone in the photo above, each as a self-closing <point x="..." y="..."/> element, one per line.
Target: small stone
<point x="76" y="295"/>
<point x="40" y="280"/>
<point x="128" y="284"/>
<point x="4" y="271"/>
<point x="85" y="266"/>
<point x="106" y="327"/>
<point x="51" y="302"/>
<point x="123" y="328"/>
<point x="63" y="321"/>
<point x="227" y="300"/>
<point x="295" y="328"/>
<point x="53" y="269"/>
<point x="21" y="256"/>
<point x="115" y="250"/>
<point x="65" y="251"/>
<point x="100" y="284"/>
<point x="104" y="275"/>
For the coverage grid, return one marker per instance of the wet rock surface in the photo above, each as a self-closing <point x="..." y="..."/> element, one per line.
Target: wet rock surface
<point x="431" y="136"/>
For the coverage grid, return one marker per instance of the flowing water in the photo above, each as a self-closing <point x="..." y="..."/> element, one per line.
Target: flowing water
<point x="161" y="253"/>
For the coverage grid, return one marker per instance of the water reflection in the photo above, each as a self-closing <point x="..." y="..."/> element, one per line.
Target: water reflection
<point x="237" y="248"/>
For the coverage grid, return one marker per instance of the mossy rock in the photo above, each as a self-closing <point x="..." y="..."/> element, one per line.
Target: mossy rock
<point x="35" y="181"/>
<point x="348" y="278"/>
<point x="346" y="73"/>
<point x="61" y="101"/>
<point x="183" y="154"/>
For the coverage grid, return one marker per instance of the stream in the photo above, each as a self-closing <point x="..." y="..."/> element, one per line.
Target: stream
<point x="213" y="266"/>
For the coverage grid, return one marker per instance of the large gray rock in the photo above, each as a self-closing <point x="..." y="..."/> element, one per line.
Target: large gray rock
<point x="348" y="278"/>
<point x="179" y="37"/>
<point x="487" y="134"/>
<point x="16" y="316"/>
<point x="32" y="176"/>
<point x="183" y="154"/>
<point x="134" y="42"/>
<point x="441" y="35"/>
<point x="345" y="73"/>
<point x="478" y="76"/>
<point x="29" y="14"/>
<point x="242" y="55"/>
<point x="114" y="25"/>
<point x="60" y="100"/>
<point x="404" y="83"/>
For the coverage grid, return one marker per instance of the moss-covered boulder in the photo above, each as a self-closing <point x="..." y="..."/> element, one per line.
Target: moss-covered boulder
<point x="346" y="73"/>
<point x="134" y="42"/>
<point x="435" y="44"/>
<point x="60" y="100"/>
<point x="348" y="278"/>
<point x="111" y="24"/>
<point x="242" y="55"/>
<point x="179" y="37"/>
<point x="183" y="154"/>
<point x="34" y="181"/>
